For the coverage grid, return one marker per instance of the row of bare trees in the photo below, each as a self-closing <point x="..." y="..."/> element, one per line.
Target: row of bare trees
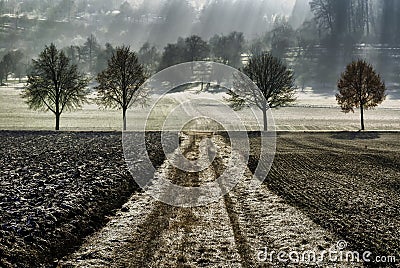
<point x="358" y="18"/>
<point x="342" y="16"/>
<point x="56" y="85"/>
<point x="359" y="86"/>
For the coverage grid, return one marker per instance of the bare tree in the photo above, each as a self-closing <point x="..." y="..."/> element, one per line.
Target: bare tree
<point x="54" y="84"/>
<point x="390" y="21"/>
<point x="149" y="56"/>
<point x="90" y="49"/>
<point x="342" y="17"/>
<point x="196" y="48"/>
<point x="323" y="12"/>
<point x="360" y="87"/>
<point x="228" y="49"/>
<point x="2" y="73"/>
<point x="274" y="80"/>
<point x="192" y="48"/>
<point x="103" y="56"/>
<point x="119" y="84"/>
<point x="11" y="62"/>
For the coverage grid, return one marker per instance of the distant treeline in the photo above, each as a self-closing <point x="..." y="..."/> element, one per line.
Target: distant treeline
<point x="376" y="21"/>
<point x="92" y="58"/>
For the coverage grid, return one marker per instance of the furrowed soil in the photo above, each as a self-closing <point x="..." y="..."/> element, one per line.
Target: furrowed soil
<point x="57" y="188"/>
<point x="348" y="183"/>
<point x="322" y="188"/>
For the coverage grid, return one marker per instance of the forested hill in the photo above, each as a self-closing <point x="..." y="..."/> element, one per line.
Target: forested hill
<point x="323" y="33"/>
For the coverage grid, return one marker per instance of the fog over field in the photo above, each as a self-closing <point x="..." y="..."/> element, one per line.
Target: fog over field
<point x="316" y="38"/>
<point x="135" y="22"/>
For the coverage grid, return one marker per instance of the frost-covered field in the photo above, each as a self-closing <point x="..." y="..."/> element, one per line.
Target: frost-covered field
<point x="322" y="188"/>
<point x="56" y="188"/>
<point x="311" y="112"/>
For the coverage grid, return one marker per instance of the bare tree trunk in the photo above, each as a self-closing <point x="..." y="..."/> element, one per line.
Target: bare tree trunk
<point x="367" y="17"/>
<point x="57" y="121"/>
<point x="16" y="20"/>
<point x="57" y="109"/>
<point x="362" y="117"/>
<point x="265" y="120"/>
<point x="124" y="118"/>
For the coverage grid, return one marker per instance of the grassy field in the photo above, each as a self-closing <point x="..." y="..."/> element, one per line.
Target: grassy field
<point x="15" y="115"/>
<point x="311" y="113"/>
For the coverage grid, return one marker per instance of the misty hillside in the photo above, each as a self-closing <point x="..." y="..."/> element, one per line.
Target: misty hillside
<point x="317" y="38"/>
<point x="38" y="22"/>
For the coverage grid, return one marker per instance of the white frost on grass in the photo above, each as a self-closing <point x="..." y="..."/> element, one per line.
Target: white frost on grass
<point x="269" y="222"/>
<point x="15" y="115"/>
<point x="103" y="248"/>
<point x="227" y="233"/>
